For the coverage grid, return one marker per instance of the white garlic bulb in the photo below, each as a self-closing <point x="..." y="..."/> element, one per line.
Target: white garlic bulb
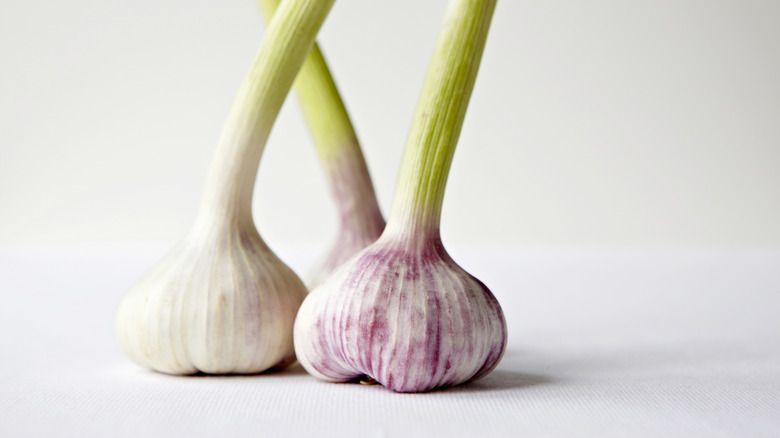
<point x="221" y="302"/>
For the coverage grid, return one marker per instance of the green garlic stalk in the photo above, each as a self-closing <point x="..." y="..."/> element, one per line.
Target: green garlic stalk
<point x="402" y="312"/>
<point x="221" y="302"/>
<point x="360" y="220"/>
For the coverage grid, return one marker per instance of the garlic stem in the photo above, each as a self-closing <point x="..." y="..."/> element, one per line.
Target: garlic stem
<point x="287" y="41"/>
<point x="438" y="118"/>
<point x="402" y="312"/>
<point x="346" y="172"/>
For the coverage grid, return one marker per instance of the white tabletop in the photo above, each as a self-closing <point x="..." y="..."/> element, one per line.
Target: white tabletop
<point x="673" y="342"/>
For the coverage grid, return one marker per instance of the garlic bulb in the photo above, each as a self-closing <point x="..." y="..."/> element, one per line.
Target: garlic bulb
<point x="401" y="311"/>
<point x="360" y="221"/>
<point x="405" y="315"/>
<point x="221" y="302"/>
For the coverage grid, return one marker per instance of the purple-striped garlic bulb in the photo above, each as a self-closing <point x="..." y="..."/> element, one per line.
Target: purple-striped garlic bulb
<point x="402" y="312"/>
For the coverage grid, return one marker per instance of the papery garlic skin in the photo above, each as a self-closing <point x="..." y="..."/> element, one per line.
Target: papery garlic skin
<point x="405" y="315"/>
<point x="219" y="303"/>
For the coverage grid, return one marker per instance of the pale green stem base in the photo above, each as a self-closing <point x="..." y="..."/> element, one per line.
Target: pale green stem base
<point x="438" y="120"/>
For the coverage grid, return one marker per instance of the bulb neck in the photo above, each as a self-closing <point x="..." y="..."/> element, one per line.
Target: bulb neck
<point x="353" y="193"/>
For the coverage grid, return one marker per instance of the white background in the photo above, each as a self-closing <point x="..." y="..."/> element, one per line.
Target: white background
<point x="592" y="123"/>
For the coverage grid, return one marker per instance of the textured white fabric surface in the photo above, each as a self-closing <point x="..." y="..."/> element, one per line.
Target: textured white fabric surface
<point x="665" y="343"/>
